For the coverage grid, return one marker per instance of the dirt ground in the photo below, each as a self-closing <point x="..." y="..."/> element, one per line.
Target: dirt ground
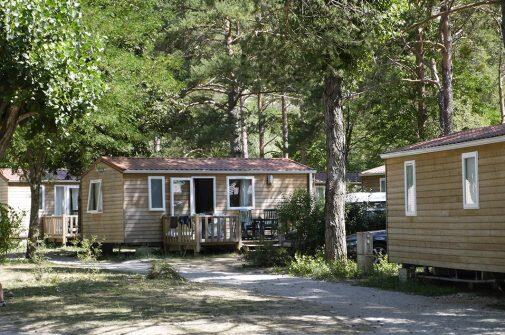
<point x="222" y="297"/>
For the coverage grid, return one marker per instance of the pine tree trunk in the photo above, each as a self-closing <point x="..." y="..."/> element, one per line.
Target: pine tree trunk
<point x="500" y="87"/>
<point x="233" y="97"/>
<point x="503" y="21"/>
<point x="243" y="127"/>
<point x="261" y="126"/>
<point x="422" y="113"/>
<point x="285" y="128"/>
<point x="446" y="40"/>
<point x="335" y="242"/>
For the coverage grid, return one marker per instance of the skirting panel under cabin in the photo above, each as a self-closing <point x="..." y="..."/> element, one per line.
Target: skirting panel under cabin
<point x="443" y="233"/>
<point x="107" y="225"/>
<point x="144" y="226"/>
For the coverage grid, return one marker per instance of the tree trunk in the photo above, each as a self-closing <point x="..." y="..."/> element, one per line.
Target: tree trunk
<point x="233" y="95"/>
<point x="422" y="113"/>
<point x="243" y="127"/>
<point x="261" y="126"/>
<point x="446" y="40"/>
<point x="35" y="179"/>
<point x="500" y="86"/>
<point x="285" y="128"/>
<point x="503" y="21"/>
<point x="335" y="246"/>
<point x="9" y="122"/>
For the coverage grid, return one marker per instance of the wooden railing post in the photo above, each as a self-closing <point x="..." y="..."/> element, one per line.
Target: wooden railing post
<point x="196" y="224"/>
<point x="64" y="229"/>
<point x="238" y="232"/>
<point x="164" y="231"/>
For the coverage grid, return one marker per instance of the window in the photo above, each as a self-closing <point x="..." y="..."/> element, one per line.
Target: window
<point x="410" y="188"/>
<point x="470" y="174"/>
<point x="59" y="200"/>
<point x="156" y="193"/>
<point x="320" y="192"/>
<point x="95" y="196"/>
<point x="382" y="185"/>
<point x="42" y="195"/>
<point x="240" y="192"/>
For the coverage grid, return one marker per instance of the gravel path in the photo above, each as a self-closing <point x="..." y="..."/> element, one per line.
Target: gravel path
<point x="388" y="312"/>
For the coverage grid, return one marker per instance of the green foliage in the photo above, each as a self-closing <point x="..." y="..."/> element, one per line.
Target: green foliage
<point x="267" y="256"/>
<point x="10" y="222"/>
<point x="317" y="267"/>
<point x="163" y="270"/>
<point x="302" y="215"/>
<point x="90" y="249"/>
<point x="48" y="58"/>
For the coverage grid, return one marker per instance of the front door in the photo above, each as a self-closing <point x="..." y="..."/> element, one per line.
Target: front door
<point x="204" y="195"/>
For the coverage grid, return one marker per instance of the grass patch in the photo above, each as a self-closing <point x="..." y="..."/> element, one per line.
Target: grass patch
<point x="81" y="301"/>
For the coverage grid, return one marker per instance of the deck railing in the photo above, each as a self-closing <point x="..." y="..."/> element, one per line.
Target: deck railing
<point x="192" y="232"/>
<point x="60" y="228"/>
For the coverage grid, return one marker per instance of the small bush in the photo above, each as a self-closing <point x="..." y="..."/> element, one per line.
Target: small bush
<point x="10" y="221"/>
<point x="267" y="256"/>
<point x="163" y="270"/>
<point x="317" y="267"/>
<point x="90" y="249"/>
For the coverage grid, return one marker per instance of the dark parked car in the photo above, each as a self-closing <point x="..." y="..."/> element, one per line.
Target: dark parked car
<point x="379" y="243"/>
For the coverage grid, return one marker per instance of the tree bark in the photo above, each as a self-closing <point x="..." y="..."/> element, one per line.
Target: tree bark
<point x="335" y="246"/>
<point x="243" y="127"/>
<point x="34" y="175"/>
<point x="285" y="128"/>
<point x="503" y="21"/>
<point x="500" y="87"/>
<point x="9" y="122"/>
<point x="261" y="125"/>
<point x="233" y="95"/>
<point x="446" y="40"/>
<point x="422" y="113"/>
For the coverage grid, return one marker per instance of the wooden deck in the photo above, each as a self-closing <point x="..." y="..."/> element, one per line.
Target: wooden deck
<point x="191" y="233"/>
<point x="60" y="228"/>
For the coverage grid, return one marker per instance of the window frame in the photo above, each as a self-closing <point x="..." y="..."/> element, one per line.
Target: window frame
<point x="464" y="156"/>
<point x="253" y="184"/>
<point x="414" y="184"/>
<point x="163" y="197"/>
<point x="191" y="194"/>
<point x="380" y="184"/>
<point x="100" y="197"/>
<point x="42" y="199"/>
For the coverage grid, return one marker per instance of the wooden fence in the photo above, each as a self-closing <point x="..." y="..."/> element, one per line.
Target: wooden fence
<point x="60" y="228"/>
<point x="181" y="232"/>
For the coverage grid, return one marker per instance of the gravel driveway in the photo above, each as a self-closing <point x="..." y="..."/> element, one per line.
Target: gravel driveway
<point x="388" y="312"/>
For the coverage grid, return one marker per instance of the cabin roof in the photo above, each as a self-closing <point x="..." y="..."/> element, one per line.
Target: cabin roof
<point x="461" y="139"/>
<point x="60" y="175"/>
<point x="376" y="171"/>
<point x="350" y="177"/>
<point x="145" y="165"/>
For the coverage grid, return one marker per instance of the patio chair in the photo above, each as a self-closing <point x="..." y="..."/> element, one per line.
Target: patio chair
<point x="246" y="223"/>
<point x="270" y="223"/>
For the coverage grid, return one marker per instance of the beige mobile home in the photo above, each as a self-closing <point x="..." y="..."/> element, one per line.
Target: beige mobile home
<point x="446" y="204"/>
<point x="126" y="198"/>
<point x="374" y="180"/>
<point x="59" y="195"/>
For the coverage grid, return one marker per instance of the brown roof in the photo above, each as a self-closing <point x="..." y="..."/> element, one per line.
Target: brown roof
<point x="206" y="164"/>
<point x="376" y="171"/>
<point x="455" y="138"/>
<point x="16" y="176"/>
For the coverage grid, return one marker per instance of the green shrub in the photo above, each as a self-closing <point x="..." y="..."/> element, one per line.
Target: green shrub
<point x="90" y="249"/>
<point x="301" y="218"/>
<point x="163" y="270"/>
<point x="10" y="221"/>
<point x="267" y="256"/>
<point x="317" y="267"/>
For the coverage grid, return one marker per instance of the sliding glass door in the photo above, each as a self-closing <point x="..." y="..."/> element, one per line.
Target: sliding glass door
<point x="66" y="200"/>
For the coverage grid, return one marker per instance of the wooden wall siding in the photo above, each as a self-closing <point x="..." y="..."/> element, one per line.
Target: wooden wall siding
<point x="443" y="234"/>
<point x="371" y="183"/>
<point x="19" y="198"/>
<point x="143" y="225"/>
<point x="49" y="196"/>
<point x="4" y="186"/>
<point x="107" y="226"/>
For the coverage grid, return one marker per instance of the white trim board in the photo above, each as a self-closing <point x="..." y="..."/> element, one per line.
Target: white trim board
<point x="253" y="184"/>
<point x="474" y="143"/>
